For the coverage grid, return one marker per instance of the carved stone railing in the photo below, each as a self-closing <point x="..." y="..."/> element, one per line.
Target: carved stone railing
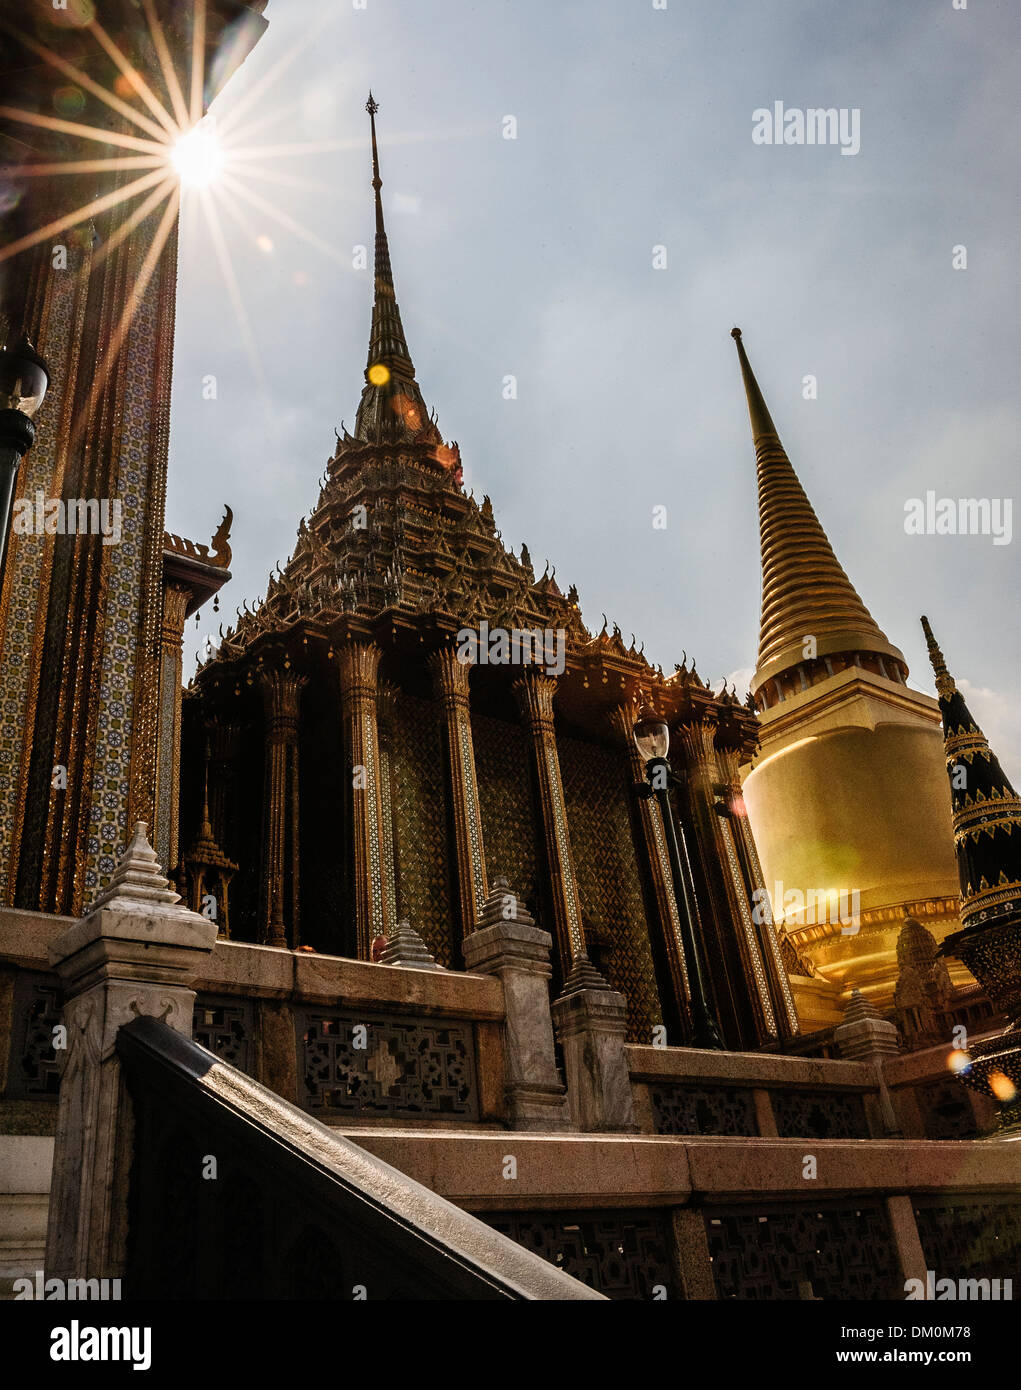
<point x="369" y="1065"/>
<point x="416" y="1045"/>
<point x="684" y="1091"/>
<point x="234" y="1193"/>
<point x="254" y="1005"/>
<point x="651" y="1217"/>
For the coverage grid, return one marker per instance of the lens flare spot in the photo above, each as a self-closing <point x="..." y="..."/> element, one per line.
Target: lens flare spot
<point x="197" y="156"/>
<point x="1001" y="1086"/>
<point x="300" y="277"/>
<point x="378" y="374"/>
<point x="264" y="243"/>
<point x="69" y="101"/>
<point x="958" y="1061"/>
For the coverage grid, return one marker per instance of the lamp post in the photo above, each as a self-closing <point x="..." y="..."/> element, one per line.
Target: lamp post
<point x="24" y="378"/>
<point x="653" y="739"/>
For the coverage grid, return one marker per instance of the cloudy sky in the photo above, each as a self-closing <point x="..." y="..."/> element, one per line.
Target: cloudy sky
<point x="534" y="257"/>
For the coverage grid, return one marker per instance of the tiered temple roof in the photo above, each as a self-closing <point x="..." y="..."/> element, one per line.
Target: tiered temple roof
<point x="395" y="547"/>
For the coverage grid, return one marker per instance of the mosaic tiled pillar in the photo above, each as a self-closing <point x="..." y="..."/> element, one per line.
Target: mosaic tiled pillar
<point x="54" y="314"/>
<point x="534" y="693"/>
<point x="450" y="681"/>
<point x="168" y="764"/>
<point x="281" y="691"/>
<point x="359" y="668"/>
<point x="95" y="714"/>
<point x="742" y="977"/>
<point x="740" y="827"/>
<point x="657" y="860"/>
<point x="387" y="696"/>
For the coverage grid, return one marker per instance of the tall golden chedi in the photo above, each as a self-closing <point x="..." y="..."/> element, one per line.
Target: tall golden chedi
<point x="849" y="757"/>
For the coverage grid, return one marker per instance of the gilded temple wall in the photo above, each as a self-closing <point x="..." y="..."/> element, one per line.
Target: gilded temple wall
<point x="595" y="781"/>
<point x="81" y="622"/>
<point x="422" y="850"/>
<point x="505" y="798"/>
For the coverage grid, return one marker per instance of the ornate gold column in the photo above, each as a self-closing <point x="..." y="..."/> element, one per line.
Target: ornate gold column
<point x="534" y="693"/>
<point x="653" y="836"/>
<point x="281" y="691"/>
<point x="740" y="827"/>
<point x="359" y="668"/>
<point x="697" y="739"/>
<point x="387" y="696"/>
<point x="450" y="681"/>
<point x="168" y="752"/>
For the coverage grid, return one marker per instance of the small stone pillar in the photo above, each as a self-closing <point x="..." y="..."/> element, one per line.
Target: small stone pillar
<point x="864" y="1033"/>
<point x="590" y="1020"/>
<point x="507" y="943"/>
<point x="135" y="952"/>
<point x="865" y="1036"/>
<point x="404" y="946"/>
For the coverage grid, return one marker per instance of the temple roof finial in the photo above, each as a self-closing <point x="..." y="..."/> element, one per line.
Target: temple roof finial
<point x="805" y="592"/>
<point x="392" y="409"/>
<point x="759" y="415"/>
<point x="945" y="683"/>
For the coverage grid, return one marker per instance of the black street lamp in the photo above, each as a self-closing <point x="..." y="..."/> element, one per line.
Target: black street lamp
<point x="24" y="378"/>
<point x="653" y="739"/>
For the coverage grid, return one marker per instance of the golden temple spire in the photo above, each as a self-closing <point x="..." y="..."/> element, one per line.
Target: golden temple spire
<point x="809" y="606"/>
<point x="392" y="409"/>
<point x="945" y="683"/>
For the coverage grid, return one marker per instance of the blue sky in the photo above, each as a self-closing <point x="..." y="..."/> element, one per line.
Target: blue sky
<point x="534" y="257"/>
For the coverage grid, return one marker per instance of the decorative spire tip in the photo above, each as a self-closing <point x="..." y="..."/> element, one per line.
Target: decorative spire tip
<point x="735" y="333"/>
<point x="945" y="683"/>
<point x="372" y="106"/>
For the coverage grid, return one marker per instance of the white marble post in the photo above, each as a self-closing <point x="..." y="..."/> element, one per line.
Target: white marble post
<point x="135" y="952"/>
<point x="591" y="1027"/>
<point x="508" y="944"/>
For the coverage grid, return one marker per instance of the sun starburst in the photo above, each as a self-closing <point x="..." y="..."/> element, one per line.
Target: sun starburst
<point x="167" y="154"/>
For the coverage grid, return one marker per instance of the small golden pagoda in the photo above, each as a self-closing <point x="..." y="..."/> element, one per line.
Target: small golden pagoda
<point x="846" y="794"/>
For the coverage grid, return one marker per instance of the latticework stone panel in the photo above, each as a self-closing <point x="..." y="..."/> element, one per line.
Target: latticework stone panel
<point x="969" y="1239"/>
<point x="358" y="1063"/>
<point x="595" y="779"/>
<point x="623" y="1254"/>
<point x="34" y="1072"/>
<point x="700" y="1110"/>
<point x="505" y="800"/>
<point x="225" y="1027"/>
<point x="803" y="1250"/>
<point x="819" y="1115"/>
<point x="423" y="883"/>
<point x="945" y="1109"/>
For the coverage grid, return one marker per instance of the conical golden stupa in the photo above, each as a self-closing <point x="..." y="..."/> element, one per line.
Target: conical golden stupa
<point x="805" y="592"/>
<point x="847" y="797"/>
